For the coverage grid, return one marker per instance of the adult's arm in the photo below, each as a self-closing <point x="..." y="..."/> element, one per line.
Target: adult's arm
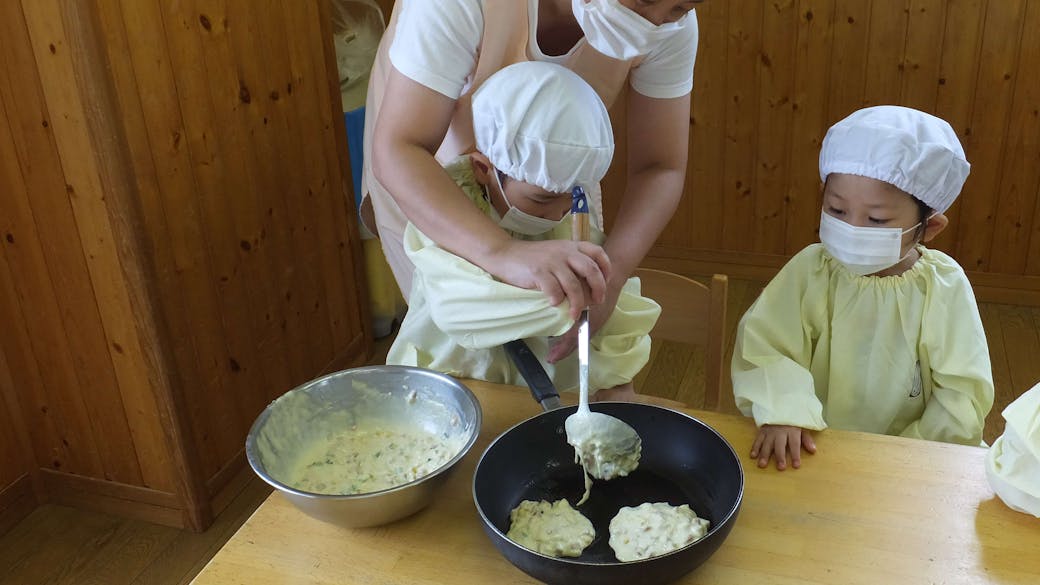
<point x="658" y="139"/>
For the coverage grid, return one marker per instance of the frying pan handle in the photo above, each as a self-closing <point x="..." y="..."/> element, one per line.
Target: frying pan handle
<point x="531" y="369"/>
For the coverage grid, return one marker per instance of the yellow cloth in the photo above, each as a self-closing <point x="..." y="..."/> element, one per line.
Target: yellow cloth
<point x="459" y="316"/>
<point x="900" y="355"/>
<point x="1013" y="462"/>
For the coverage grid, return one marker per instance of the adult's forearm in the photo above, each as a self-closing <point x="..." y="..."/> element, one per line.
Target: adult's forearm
<point x="432" y="201"/>
<point x="650" y="199"/>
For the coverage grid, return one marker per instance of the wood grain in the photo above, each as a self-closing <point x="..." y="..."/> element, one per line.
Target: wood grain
<point x="776" y="66"/>
<point x="743" y="54"/>
<point x="1019" y="173"/>
<point x="812" y="77"/>
<point x="926" y="514"/>
<point x="178" y="243"/>
<point x="705" y="173"/>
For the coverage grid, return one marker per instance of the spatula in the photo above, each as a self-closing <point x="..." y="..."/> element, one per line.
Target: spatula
<point x="605" y="446"/>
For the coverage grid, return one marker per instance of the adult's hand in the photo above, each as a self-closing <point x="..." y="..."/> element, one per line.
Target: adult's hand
<point x="598" y="315"/>
<point x="564" y="270"/>
<point x="658" y="146"/>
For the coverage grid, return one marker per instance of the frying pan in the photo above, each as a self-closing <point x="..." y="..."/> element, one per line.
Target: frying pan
<point x="684" y="461"/>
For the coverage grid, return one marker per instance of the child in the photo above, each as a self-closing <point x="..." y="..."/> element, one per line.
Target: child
<point x="870" y="331"/>
<point x="540" y="130"/>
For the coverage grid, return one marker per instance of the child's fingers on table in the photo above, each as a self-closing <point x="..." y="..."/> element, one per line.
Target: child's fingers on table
<point x="766" y="448"/>
<point x="779" y="445"/>
<point x="808" y="442"/>
<point x="794" y="444"/>
<point x="759" y="439"/>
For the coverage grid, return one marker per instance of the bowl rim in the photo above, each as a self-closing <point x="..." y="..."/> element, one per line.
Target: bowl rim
<point x="724" y="524"/>
<point x="253" y="456"/>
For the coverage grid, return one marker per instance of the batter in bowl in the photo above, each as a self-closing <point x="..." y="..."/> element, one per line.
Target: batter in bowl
<point x="367" y="459"/>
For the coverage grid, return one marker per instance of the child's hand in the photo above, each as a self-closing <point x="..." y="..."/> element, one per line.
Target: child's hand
<point x="779" y="442"/>
<point x="573" y="271"/>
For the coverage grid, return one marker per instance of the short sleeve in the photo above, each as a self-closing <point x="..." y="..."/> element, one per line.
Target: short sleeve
<point x="436" y="43"/>
<point x="667" y="72"/>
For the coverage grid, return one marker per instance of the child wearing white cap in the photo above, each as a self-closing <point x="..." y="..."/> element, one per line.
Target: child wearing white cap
<point x="540" y="130"/>
<point x="870" y="330"/>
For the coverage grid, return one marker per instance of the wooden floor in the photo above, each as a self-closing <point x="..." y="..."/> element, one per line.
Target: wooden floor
<point x="60" y="545"/>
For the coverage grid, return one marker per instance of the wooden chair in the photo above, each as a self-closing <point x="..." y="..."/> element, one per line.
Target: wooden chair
<point x="692" y="314"/>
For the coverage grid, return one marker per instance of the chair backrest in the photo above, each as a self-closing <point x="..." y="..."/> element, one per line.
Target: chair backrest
<point x="693" y="314"/>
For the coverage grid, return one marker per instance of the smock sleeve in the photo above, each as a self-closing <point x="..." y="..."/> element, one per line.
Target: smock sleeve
<point x="468" y="304"/>
<point x="771" y="377"/>
<point x="954" y="344"/>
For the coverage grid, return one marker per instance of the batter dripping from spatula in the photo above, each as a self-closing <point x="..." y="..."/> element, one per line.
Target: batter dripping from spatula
<point x="605" y="446"/>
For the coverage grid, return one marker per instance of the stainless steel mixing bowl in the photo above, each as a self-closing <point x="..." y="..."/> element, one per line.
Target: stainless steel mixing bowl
<point x="379" y="395"/>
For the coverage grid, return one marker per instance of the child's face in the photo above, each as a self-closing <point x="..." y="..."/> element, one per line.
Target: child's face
<point x="530" y="199"/>
<point x="866" y="202"/>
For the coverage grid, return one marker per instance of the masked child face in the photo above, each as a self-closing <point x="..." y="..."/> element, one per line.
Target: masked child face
<point x="529" y="199"/>
<point x="524" y="208"/>
<point x="879" y="214"/>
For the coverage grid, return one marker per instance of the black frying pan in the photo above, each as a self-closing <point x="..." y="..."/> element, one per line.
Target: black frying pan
<point x="684" y="461"/>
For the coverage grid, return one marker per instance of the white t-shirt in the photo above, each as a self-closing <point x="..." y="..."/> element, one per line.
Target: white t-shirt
<point x="436" y="44"/>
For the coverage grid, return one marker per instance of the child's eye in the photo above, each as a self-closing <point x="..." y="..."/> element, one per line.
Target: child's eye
<point x="877" y="221"/>
<point x="835" y="211"/>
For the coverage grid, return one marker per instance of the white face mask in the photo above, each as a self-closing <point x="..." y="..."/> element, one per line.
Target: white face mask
<point x="863" y="250"/>
<point x="618" y="32"/>
<point x="522" y="222"/>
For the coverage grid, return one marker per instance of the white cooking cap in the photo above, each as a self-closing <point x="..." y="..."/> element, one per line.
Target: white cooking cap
<point x="543" y="124"/>
<point x="910" y="149"/>
<point x="1013" y="462"/>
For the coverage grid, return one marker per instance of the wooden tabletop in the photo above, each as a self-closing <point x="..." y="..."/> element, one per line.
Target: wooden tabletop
<point x="866" y="509"/>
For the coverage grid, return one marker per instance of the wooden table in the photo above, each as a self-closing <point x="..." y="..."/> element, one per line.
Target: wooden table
<point x="866" y="509"/>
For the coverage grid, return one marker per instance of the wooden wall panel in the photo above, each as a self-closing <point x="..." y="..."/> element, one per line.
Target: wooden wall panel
<point x="776" y="67"/>
<point x="15" y="459"/>
<point x="52" y="283"/>
<point x="17" y="469"/>
<point x="986" y="143"/>
<point x="179" y="245"/>
<point x="783" y="77"/>
<point x="708" y="141"/>
<point x="740" y="61"/>
<point x="1020" y="168"/>
<point x="243" y="193"/>
<point x="955" y="95"/>
<point x="808" y="119"/>
<point x="887" y="39"/>
<point x="923" y="53"/>
<point x="74" y="119"/>
<point x="849" y="55"/>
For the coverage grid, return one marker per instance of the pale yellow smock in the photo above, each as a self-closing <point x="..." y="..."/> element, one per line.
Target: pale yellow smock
<point x="899" y="355"/>
<point x="459" y="316"/>
<point x="1013" y="462"/>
